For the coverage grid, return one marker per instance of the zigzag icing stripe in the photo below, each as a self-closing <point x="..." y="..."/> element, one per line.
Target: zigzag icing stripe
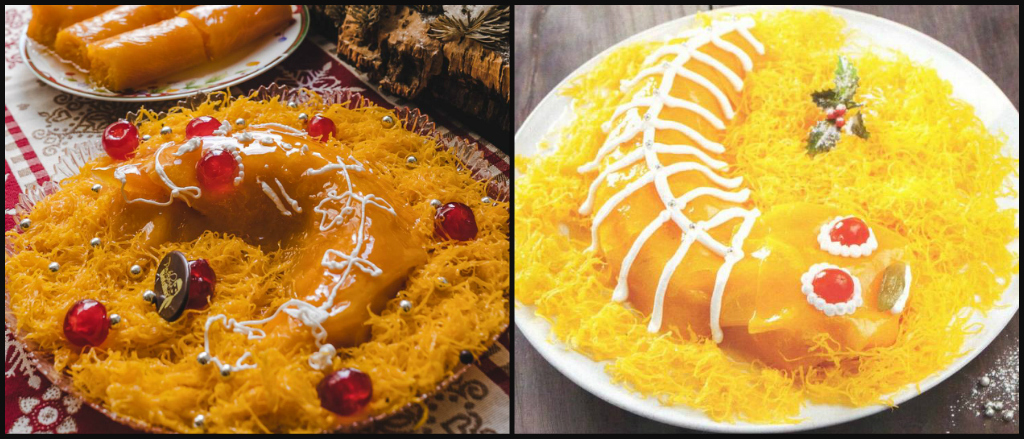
<point x="693" y="158"/>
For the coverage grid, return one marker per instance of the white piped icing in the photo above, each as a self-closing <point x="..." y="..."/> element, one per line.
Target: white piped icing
<point x="291" y="201"/>
<point x="846" y="251"/>
<point x="233" y="150"/>
<point x="762" y="254"/>
<point x="224" y="130"/>
<point x="831" y="309"/>
<point x="244" y="138"/>
<point x="273" y="197"/>
<point x="349" y="205"/>
<point x="176" y="191"/>
<point x="633" y="124"/>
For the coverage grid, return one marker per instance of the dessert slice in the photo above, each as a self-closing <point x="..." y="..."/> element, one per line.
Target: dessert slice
<point x="201" y="34"/>
<point x="227" y="28"/>
<point x="143" y="55"/>
<point x="48" y="20"/>
<point x="72" y="41"/>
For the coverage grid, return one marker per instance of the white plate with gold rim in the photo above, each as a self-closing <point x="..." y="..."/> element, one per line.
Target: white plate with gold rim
<point x="247" y="63"/>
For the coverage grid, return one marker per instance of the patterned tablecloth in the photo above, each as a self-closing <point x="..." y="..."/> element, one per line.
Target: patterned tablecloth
<point x="41" y="123"/>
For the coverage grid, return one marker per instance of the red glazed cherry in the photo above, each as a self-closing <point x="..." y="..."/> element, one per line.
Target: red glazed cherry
<point x="120" y="140"/>
<point x="321" y="128"/>
<point x="217" y="170"/>
<point x="345" y="392"/>
<point x="86" y="324"/>
<point x="455" y="221"/>
<point x="834" y="286"/>
<point x="201" y="126"/>
<point x="201" y="284"/>
<point x="850" y="231"/>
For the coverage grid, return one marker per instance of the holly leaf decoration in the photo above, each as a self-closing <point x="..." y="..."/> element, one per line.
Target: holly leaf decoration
<point x="858" y="128"/>
<point x="846" y="81"/>
<point x="837" y="103"/>
<point x="825" y="99"/>
<point x="824" y="138"/>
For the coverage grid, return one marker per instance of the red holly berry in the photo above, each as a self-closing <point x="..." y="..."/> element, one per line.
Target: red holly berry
<point x="120" y="140"/>
<point x="86" y="324"/>
<point x="346" y="392"/>
<point x="836" y="113"/>
<point x="834" y="286"/>
<point x="840" y="123"/>
<point x="217" y="170"/>
<point x="455" y="221"/>
<point x="321" y="128"/>
<point x="201" y="126"/>
<point x="201" y="284"/>
<point x="850" y="231"/>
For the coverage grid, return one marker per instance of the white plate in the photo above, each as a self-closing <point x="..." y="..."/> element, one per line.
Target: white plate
<point x="970" y="84"/>
<point x="245" y="64"/>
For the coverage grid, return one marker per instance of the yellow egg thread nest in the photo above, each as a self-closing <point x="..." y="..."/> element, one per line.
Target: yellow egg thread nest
<point x="931" y="171"/>
<point x="147" y="370"/>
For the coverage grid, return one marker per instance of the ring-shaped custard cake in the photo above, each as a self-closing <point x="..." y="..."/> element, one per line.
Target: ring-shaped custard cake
<point x="259" y="265"/>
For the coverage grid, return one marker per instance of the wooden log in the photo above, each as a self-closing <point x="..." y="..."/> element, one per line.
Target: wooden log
<point x="392" y="45"/>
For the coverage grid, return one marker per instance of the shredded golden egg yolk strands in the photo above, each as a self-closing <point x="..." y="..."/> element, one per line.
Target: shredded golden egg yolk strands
<point x="927" y="177"/>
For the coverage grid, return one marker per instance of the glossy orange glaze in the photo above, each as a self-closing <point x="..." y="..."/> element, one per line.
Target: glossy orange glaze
<point x="205" y="33"/>
<point x="618" y="232"/>
<point x="765" y="315"/>
<point x="248" y="212"/>
<point x="48" y="20"/>
<point x="227" y="28"/>
<point x="137" y="57"/>
<point x="72" y="41"/>
<point x="780" y="323"/>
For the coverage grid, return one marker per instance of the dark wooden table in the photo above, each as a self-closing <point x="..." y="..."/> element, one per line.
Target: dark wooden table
<point x="552" y="41"/>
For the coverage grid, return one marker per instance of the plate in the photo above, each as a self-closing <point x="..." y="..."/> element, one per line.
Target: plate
<point x="247" y="63"/>
<point x="969" y="83"/>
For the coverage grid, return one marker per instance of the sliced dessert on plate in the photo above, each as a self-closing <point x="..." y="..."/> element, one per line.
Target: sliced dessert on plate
<point x="129" y="46"/>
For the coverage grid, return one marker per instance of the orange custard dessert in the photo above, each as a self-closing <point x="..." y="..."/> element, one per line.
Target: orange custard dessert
<point x="49" y="20"/>
<point x="688" y="245"/>
<point x="264" y="266"/>
<point x="72" y="42"/>
<point x="128" y="46"/>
